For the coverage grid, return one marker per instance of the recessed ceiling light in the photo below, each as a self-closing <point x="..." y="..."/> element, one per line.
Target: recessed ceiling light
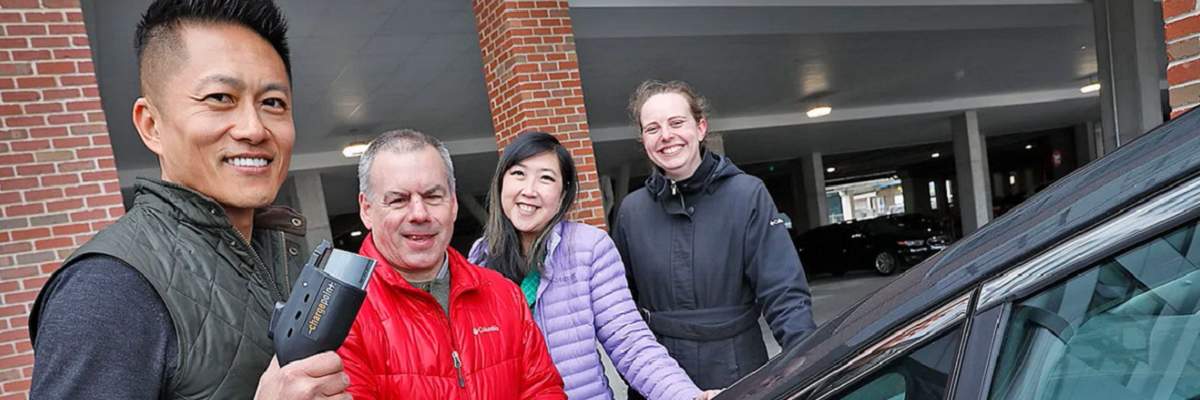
<point x="356" y="234"/>
<point x="936" y="155"/>
<point x="1028" y="147"/>
<point x="1089" y="88"/>
<point x="830" y="169"/>
<point x="820" y="111"/>
<point x="355" y="149"/>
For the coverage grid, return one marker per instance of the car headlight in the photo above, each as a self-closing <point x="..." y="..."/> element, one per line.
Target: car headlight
<point x="911" y="243"/>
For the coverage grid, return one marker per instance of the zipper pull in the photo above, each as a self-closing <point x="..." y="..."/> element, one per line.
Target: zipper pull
<point x="674" y="190"/>
<point x="458" y="367"/>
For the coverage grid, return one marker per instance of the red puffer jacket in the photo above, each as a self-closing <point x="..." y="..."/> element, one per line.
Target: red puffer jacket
<point x="402" y="346"/>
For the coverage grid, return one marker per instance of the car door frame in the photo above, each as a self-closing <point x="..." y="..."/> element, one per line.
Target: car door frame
<point x="923" y="330"/>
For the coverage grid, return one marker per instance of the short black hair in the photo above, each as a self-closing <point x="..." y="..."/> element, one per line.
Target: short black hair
<point x="159" y="27"/>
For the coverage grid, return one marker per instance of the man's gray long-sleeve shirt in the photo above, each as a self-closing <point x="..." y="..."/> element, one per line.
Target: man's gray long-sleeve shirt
<point x="104" y="334"/>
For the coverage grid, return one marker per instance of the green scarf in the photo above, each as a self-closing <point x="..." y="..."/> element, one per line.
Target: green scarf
<point x="529" y="286"/>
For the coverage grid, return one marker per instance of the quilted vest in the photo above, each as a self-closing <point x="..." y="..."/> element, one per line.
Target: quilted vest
<point x="219" y="290"/>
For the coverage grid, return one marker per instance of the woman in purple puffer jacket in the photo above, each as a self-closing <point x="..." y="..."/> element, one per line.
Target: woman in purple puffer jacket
<point x="572" y="277"/>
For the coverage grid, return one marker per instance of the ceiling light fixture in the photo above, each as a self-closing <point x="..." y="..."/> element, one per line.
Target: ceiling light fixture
<point x="936" y="155"/>
<point x="1029" y="147"/>
<point x="356" y="234"/>
<point x="830" y="169"/>
<point x="1089" y="88"/>
<point x="819" y="111"/>
<point x="355" y="149"/>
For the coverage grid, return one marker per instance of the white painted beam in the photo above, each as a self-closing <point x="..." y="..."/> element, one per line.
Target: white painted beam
<point x="629" y="22"/>
<point x="810" y="3"/>
<point x="799" y="117"/>
<point x="332" y="159"/>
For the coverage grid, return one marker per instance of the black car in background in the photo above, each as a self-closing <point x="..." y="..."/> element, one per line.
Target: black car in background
<point x="884" y="244"/>
<point x="1088" y="290"/>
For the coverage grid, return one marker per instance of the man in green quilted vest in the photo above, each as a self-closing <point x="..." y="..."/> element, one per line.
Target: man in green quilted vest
<point x="172" y="301"/>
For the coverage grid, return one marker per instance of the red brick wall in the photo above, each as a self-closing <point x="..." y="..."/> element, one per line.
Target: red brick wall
<point x="1182" y="30"/>
<point x="533" y="84"/>
<point x="58" y="182"/>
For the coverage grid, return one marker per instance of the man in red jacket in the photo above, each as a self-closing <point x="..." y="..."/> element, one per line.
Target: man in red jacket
<point x="434" y="326"/>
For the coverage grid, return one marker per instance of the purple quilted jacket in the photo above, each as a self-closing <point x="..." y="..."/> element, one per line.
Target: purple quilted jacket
<point x="583" y="299"/>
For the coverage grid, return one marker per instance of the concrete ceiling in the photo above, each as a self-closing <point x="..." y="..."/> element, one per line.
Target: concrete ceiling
<point x="893" y="70"/>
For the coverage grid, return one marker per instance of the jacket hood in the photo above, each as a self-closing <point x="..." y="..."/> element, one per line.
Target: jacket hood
<point x="720" y="168"/>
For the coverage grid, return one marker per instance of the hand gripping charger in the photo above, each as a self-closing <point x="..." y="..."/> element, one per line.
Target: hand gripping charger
<point x="324" y="302"/>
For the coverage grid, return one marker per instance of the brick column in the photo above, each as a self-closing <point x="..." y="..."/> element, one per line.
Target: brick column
<point x="58" y="181"/>
<point x="1182" y="31"/>
<point x="533" y="84"/>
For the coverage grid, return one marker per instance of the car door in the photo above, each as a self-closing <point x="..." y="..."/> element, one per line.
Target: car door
<point x="825" y="246"/>
<point x="809" y="246"/>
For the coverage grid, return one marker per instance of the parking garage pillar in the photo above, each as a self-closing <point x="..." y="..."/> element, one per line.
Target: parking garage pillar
<point x="715" y="142"/>
<point x="943" y="195"/>
<point x="310" y="199"/>
<point x="816" y="207"/>
<point x="533" y="84"/>
<point x="999" y="184"/>
<point x="911" y="188"/>
<point x="621" y="184"/>
<point x="1127" y="53"/>
<point x="1088" y="144"/>
<point x="970" y="160"/>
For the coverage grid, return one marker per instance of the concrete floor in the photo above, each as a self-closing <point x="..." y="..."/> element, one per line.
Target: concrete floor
<point x="830" y="295"/>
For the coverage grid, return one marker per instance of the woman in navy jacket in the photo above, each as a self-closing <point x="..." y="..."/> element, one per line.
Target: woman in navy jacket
<point x="704" y="247"/>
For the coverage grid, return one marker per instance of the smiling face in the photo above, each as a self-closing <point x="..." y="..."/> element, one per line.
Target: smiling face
<point x="532" y="193"/>
<point x="221" y="122"/>
<point x="671" y="136"/>
<point x="411" y="210"/>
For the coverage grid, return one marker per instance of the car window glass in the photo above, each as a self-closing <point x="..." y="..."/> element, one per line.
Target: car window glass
<point x="1127" y="328"/>
<point x="887" y="387"/>
<point x="883" y="226"/>
<point x="919" y="375"/>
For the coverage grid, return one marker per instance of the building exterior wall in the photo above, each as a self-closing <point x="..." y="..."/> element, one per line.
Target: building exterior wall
<point x="58" y="180"/>
<point x="1182" y="31"/>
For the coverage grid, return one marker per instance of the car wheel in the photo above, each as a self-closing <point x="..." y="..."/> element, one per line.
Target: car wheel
<point x="886" y="263"/>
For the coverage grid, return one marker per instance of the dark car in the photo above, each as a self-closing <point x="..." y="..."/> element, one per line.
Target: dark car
<point x="1088" y="290"/>
<point x="884" y="244"/>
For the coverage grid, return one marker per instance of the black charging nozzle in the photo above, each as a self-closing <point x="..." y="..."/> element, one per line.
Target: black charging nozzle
<point x="324" y="302"/>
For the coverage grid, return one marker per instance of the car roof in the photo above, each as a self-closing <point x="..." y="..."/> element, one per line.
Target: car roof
<point x="1099" y="191"/>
